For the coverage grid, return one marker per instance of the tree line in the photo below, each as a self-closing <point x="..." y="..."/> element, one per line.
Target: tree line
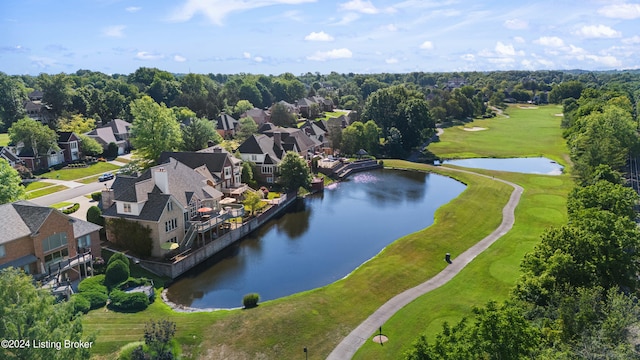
<point x="577" y="296"/>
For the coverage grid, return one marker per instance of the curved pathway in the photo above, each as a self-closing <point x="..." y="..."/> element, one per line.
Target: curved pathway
<point x="350" y="344"/>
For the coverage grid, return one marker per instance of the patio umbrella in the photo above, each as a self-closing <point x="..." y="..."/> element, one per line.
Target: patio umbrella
<point x="205" y="209"/>
<point x="169" y="245"/>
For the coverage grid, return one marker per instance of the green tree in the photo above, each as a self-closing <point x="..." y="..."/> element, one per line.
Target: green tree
<point x="11" y="98"/>
<point x="94" y="215"/>
<point x="154" y="129"/>
<point x="158" y="337"/>
<point x="35" y="136"/>
<point x="240" y="107"/>
<point x="32" y="314"/>
<point x="89" y="146"/>
<point x="198" y="133"/>
<point x="281" y="116"/>
<point x="76" y="123"/>
<point x="246" y="128"/>
<point x="247" y="173"/>
<point x="603" y="195"/>
<point x="294" y="172"/>
<point x="11" y="188"/>
<point x="251" y="200"/>
<point x="57" y="92"/>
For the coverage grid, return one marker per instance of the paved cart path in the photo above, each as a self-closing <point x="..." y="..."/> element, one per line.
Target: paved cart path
<point x="350" y="344"/>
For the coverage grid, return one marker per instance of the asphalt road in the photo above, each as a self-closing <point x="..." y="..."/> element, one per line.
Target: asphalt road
<point x="68" y="194"/>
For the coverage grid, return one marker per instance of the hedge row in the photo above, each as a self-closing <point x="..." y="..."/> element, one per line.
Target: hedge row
<point x="95" y="283"/>
<point x="123" y="301"/>
<point x="72" y="209"/>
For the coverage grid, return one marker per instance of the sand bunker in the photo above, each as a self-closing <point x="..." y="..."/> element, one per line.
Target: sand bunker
<point x="559" y="114"/>
<point x="475" y="128"/>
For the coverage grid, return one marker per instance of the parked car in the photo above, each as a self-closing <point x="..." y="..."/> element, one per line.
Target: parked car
<point x="106" y="176"/>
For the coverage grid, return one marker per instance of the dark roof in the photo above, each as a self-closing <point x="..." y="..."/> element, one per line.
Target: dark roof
<point x="7" y="154"/>
<point x="213" y="160"/>
<point x="152" y="210"/>
<point x="124" y="188"/>
<point x="226" y="122"/>
<point x="65" y="136"/>
<point x="261" y="144"/>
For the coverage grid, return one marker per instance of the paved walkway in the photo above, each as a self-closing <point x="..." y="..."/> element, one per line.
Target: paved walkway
<point x="350" y="344"/>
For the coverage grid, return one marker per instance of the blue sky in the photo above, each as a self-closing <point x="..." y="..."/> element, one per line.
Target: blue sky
<point x="299" y="36"/>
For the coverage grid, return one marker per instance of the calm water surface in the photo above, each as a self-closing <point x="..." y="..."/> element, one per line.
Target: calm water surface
<point x="321" y="239"/>
<point x="536" y="165"/>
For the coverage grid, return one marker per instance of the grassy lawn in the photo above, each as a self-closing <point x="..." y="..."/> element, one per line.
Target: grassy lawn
<point x="61" y="205"/>
<point x="45" y="191"/>
<point x="123" y="160"/>
<point x="527" y="132"/>
<point x="489" y="277"/>
<point x="78" y="173"/>
<point x="333" y="114"/>
<point x="319" y="318"/>
<point x="4" y="139"/>
<point x="35" y="185"/>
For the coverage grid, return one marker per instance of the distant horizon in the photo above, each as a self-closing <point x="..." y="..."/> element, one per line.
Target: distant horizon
<point x="273" y="37"/>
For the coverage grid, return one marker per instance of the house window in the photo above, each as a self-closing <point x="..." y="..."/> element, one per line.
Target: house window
<point x="170" y="225"/>
<point x="269" y="179"/>
<point x="254" y="157"/>
<point x="127" y="208"/>
<point x="55" y="257"/>
<point x="74" y="145"/>
<point x="174" y="239"/>
<point x="2" y="251"/>
<point x="170" y="206"/>
<point x="84" y="241"/>
<point x="227" y="172"/>
<point x="54" y="241"/>
<point x="267" y="169"/>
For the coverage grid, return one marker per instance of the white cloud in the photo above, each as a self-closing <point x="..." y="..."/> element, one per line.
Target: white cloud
<point x="606" y="60"/>
<point x="621" y="11"/>
<point x="519" y="39"/>
<point x="258" y="59"/>
<point x="347" y="19"/>
<point x="318" y="36"/>
<point x="507" y="50"/>
<point x="390" y="28"/>
<point x="391" y="61"/>
<point x="468" y="57"/>
<point x="365" y="7"/>
<point x="179" y="58"/>
<point x="516" y="24"/>
<point x="545" y="62"/>
<point x="114" y="31"/>
<point x="342" y="53"/>
<point x="217" y="10"/>
<point x="597" y="31"/>
<point x="632" y="40"/>
<point x="145" y="55"/>
<point x="550" y="41"/>
<point x="576" y="51"/>
<point x="246" y="55"/>
<point x="427" y="45"/>
<point x="43" y="62"/>
<point x="133" y="9"/>
<point x="502" y="61"/>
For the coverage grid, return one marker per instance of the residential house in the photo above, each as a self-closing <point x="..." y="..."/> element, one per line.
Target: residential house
<point x="227" y="125"/>
<point x="54" y="156"/>
<point x="165" y="198"/>
<point x="267" y="149"/>
<point x="225" y="169"/>
<point x="44" y="241"/>
<point x="316" y="130"/>
<point x="258" y="115"/>
<point x="12" y="158"/>
<point x="35" y="109"/>
<point x="115" y="131"/>
<point x="304" y="106"/>
<point x="69" y="143"/>
<point x="291" y="108"/>
<point x="324" y="103"/>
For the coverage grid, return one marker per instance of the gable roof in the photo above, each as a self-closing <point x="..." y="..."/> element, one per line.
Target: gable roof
<point x="66" y="136"/>
<point x="7" y="154"/>
<point x="226" y="122"/>
<point x="214" y="161"/>
<point x="118" y="126"/>
<point x="261" y="144"/>
<point x="23" y="218"/>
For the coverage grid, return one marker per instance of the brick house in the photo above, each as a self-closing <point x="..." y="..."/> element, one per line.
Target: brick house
<point x="69" y="142"/>
<point x="44" y="241"/>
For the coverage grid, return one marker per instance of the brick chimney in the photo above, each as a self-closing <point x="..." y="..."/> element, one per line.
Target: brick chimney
<point x="107" y="198"/>
<point x="277" y="139"/>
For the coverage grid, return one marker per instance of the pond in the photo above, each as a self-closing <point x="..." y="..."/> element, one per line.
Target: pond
<point x="534" y="165"/>
<point x="321" y="239"/>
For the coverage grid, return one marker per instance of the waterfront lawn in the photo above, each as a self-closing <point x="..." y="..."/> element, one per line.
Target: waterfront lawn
<point x="4" y="139"/>
<point x="489" y="277"/>
<point x="79" y="173"/>
<point x="45" y="191"/>
<point x="320" y="318"/>
<point x="526" y="133"/>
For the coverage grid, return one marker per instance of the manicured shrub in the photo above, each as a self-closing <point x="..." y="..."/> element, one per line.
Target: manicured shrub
<point x="96" y="299"/>
<point x="94" y="215"/>
<point x="123" y="301"/>
<point x="96" y="196"/>
<point x="94" y="283"/>
<point x="126" y="351"/>
<point x="71" y="209"/>
<point x="117" y="272"/>
<point x="119" y="256"/>
<point x="250" y="300"/>
<point x="80" y="304"/>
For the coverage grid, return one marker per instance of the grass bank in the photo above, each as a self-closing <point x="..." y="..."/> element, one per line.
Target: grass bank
<point x="78" y="173"/>
<point x="527" y="132"/>
<point x="4" y="139"/>
<point x="45" y="191"/>
<point x="320" y="318"/>
<point x="489" y="277"/>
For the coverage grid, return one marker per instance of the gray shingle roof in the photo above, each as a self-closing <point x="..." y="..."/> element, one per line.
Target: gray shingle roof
<point x="212" y="160"/>
<point x="226" y="122"/>
<point x="82" y="228"/>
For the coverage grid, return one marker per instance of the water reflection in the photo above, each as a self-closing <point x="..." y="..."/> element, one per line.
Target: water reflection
<point x="320" y="240"/>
